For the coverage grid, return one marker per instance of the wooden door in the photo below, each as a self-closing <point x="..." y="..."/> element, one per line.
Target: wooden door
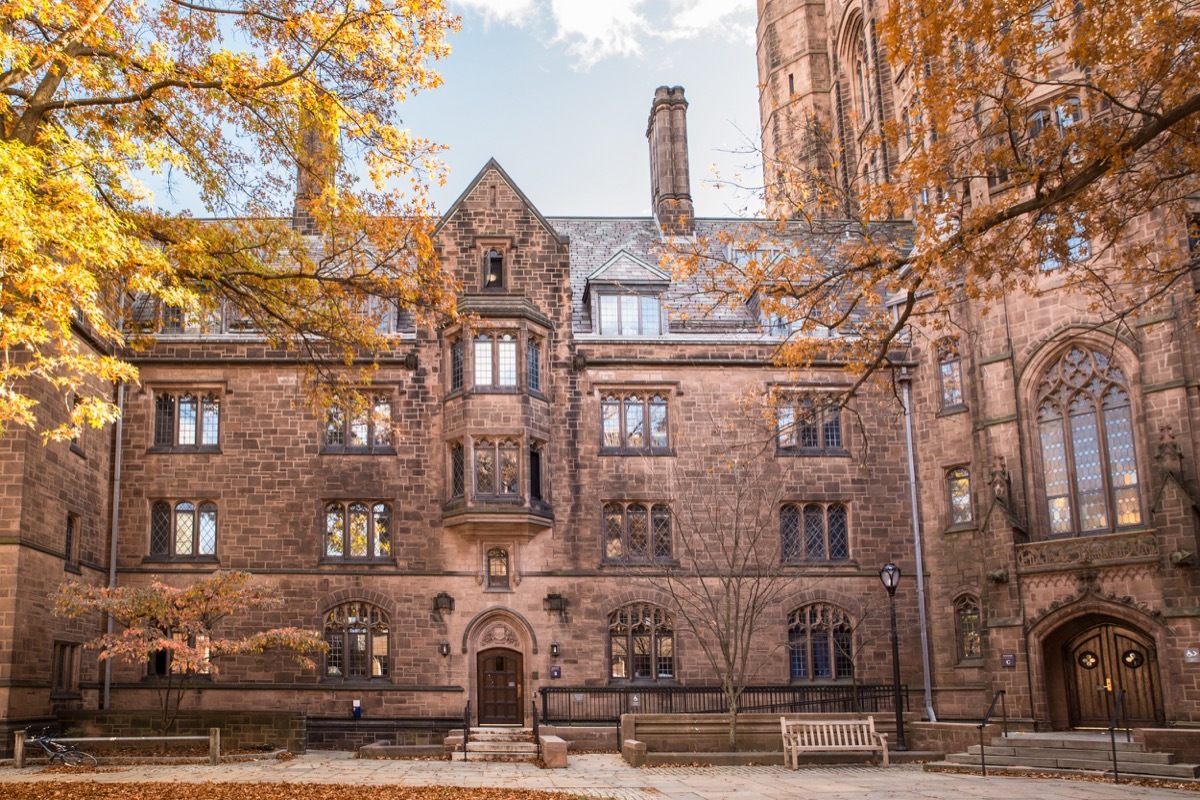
<point x="500" y="689"/>
<point x="1102" y="660"/>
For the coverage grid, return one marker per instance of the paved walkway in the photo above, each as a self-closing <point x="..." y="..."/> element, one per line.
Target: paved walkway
<point x="606" y="775"/>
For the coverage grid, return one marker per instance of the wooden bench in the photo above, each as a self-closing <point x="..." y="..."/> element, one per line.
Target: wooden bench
<point x="830" y="736"/>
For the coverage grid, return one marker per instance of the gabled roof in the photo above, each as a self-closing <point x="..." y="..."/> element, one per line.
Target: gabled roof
<point x="493" y="164"/>
<point x="624" y="267"/>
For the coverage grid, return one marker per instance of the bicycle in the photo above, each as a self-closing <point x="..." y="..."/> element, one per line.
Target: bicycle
<point x="68" y="754"/>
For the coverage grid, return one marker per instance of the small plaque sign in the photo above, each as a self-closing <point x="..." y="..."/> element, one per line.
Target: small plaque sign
<point x="556" y="672"/>
<point x="1191" y="655"/>
<point x="1008" y="660"/>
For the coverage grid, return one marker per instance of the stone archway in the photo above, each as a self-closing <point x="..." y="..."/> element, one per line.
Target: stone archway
<point x="498" y="642"/>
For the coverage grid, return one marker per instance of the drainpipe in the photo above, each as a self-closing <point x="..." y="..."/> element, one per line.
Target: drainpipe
<point x="116" y="516"/>
<point x="906" y="384"/>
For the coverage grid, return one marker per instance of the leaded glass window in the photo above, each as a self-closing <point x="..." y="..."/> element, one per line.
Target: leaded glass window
<point x="634" y="423"/>
<point x="497" y="568"/>
<point x="641" y="644"/>
<point x="814" y="532"/>
<point x="968" y="628"/>
<point x="361" y="426"/>
<point x="820" y="643"/>
<point x="184" y="529"/>
<point x="458" y="470"/>
<point x="1085" y="428"/>
<point x="358" y="530"/>
<point x="950" y="372"/>
<point x="186" y="421"/>
<point x="804" y="426"/>
<point x="497" y="468"/>
<point x="637" y="532"/>
<point x="959" y="484"/>
<point x="456" y="365"/>
<point x="357" y="635"/>
<point x="533" y="364"/>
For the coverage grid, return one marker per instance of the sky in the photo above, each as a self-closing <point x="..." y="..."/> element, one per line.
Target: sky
<point x="559" y="92"/>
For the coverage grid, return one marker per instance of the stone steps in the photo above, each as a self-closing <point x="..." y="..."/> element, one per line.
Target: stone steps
<point x="1069" y="754"/>
<point x="493" y="744"/>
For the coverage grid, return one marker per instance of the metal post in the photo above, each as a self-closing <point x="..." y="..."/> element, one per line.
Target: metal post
<point x="900" y="744"/>
<point x="214" y="746"/>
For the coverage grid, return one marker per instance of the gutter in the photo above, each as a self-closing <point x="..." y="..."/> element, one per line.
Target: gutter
<point x="106" y="703"/>
<point x="906" y="382"/>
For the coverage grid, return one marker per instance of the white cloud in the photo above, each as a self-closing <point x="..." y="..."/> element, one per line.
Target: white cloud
<point x="593" y="30"/>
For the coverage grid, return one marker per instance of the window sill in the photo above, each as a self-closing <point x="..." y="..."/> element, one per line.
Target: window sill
<point x="811" y="452"/>
<point x="952" y="410"/>
<point x="819" y="562"/>
<point x="356" y="561"/>
<point x="672" y="681"/>
<point x="498" y="590"/>
<point x="970" y="663"/>
<point x="207" y="449"/>
<point x="626" y="451"/>
<point x="77" y="450"/>
<point x="355" y="681"/>
<point x="820" y="682"/>
<point x="639" y="562"/>
<point x="72" y="567"/>
<point x="490" y="389"/>
<point x="66" y="694"/>
<point x="180" y="560"/>
<point x="963" y="528"/>
<point x="382" y="450"/>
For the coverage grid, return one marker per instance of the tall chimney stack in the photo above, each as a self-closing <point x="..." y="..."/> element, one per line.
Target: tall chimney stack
<point x="670" y="189"/>
<point x="316" y="159"/>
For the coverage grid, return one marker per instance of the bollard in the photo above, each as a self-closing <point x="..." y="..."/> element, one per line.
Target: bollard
<point x="214" y="746"/>
<point x="19" y="750"/>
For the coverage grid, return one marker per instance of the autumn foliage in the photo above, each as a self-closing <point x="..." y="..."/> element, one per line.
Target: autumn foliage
<point x="984" y="150"/>
<point x="239" y="98"/>
<point x="179" y="625"/>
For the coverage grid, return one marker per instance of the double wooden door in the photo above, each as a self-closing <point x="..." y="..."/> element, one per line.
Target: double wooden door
<point x="1101" y="661"/>
<point x="499" y="674"/>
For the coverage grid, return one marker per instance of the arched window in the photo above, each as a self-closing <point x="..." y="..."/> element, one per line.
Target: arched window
<point x="819" y="643"/>
<point x="968" y="628"/>
<point x="1085" y="428"/>
<point x="958" y="483"/>
<point x="357" y="635"/>
<point x="497" y="568"/>
<point x="495" y="270"/>
<point x="358" y="530"/>
<point x="641" y="643"/>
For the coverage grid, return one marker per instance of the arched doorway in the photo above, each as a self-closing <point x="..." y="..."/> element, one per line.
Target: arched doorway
<point x="499" y="672"/>
<point x="1089" y="660"/>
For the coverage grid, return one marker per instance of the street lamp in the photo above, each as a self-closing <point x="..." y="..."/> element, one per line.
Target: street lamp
<point x="890" y="575"/>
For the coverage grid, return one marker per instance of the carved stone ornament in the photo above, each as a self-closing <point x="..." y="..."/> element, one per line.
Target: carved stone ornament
<point x="1001" y="481"/>
<point x="499" y="634"/>
<point x="1088" y="551"/>
<point x="1094" y="591"/>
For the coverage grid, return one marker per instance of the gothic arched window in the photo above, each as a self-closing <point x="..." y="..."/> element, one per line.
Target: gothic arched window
<point x="357" y="635"/>
<point x="641" y="643"/>
<point x="1085" y="427"/>
<point x="819" y="643"/>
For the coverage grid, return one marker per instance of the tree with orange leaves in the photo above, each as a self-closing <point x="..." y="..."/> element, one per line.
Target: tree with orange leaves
<point x="969" y="152"/>
<point x="95" y="93"/>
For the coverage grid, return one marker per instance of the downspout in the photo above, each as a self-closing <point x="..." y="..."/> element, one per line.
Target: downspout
<point x="906" y="383"/>
<point x="116" y="516"/>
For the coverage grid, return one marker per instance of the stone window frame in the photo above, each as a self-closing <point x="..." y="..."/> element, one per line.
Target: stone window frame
<point x="648" y="399"/>
<point x="497" y="446"/>
<point x="161" y="664"/>
<point x="820" y="633"/>
<point x="797" y="534"/>
<point x="165" y="532"/>
<point x="495" y="267"/>
<point x="462" y="343"/>
<point x="497" y="571"/>
<point x="959" y="514"/>
<point x="1053" y="424"/>
<point x="462" y="461"/>
<point x="457" y="369"/>
<point x="72" y="527"/>
<point x="375" y="418"/>
<point x="659" y="520"/>
<point x="378" y="546"/>
<point x="341" y="624"/>
<point x="805" y="426"/>
<point x="951" y="389"/>
<point x="64" y="669"/>
<point x="168" y="425"/>
<point x="653" y="631"/>
<point x="968" y="629"/>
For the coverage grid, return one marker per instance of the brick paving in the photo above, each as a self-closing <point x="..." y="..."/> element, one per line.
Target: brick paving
<point x="606" y="775"/>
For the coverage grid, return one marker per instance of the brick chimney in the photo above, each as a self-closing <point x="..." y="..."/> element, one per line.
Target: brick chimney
<point x="315" y="165"/>
<point x="670" y="188"/>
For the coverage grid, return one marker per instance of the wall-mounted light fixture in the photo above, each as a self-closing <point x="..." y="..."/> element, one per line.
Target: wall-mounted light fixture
<point x="443" y="602"/>
<point x="554" y="651"/>
<point x="555" y="603"/>
<point x="444" y="648"/>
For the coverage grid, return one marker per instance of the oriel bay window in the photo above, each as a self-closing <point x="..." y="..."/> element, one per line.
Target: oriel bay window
<point x="1085" y="429"/>
<point x="496" y="359"/>
<point x="641" y="641"/>
<point x="357" y="635"/>
<point x="184" y="529"/>
<point x="357" y="530"/>
<point x="634" y="423"/>
<point x="497" y="468"/>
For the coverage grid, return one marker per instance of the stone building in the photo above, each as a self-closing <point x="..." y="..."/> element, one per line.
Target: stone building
<point x="496" y="525"/>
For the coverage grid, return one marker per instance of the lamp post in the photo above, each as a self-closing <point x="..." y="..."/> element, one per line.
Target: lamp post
<point x="890" y="575"/>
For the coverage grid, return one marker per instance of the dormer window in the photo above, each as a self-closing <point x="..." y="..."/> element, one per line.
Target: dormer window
<point x="494" y="275"/>
<point x="630" y="314"/>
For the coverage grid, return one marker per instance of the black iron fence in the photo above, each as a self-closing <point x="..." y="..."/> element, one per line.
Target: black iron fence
<point x="604" y="705"/>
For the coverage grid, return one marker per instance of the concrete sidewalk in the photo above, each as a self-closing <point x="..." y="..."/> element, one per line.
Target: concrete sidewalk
<point x="607" y="775"/>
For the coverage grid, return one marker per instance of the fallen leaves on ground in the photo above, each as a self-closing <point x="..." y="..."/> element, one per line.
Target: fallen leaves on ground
<point x="1153" y="783"/>
<point x="260" y="791"/>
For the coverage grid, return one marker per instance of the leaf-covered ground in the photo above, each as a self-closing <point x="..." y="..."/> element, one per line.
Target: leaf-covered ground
<point x="258" y="791"/>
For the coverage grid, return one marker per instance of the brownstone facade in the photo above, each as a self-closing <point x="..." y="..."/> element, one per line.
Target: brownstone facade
<point x="495" y="516"/>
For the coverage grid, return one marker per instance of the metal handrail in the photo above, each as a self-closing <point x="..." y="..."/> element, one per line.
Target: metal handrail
<point x="466" y="727"/>
<point x="999" y="696"/>
<point x="1118" y="708"/>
